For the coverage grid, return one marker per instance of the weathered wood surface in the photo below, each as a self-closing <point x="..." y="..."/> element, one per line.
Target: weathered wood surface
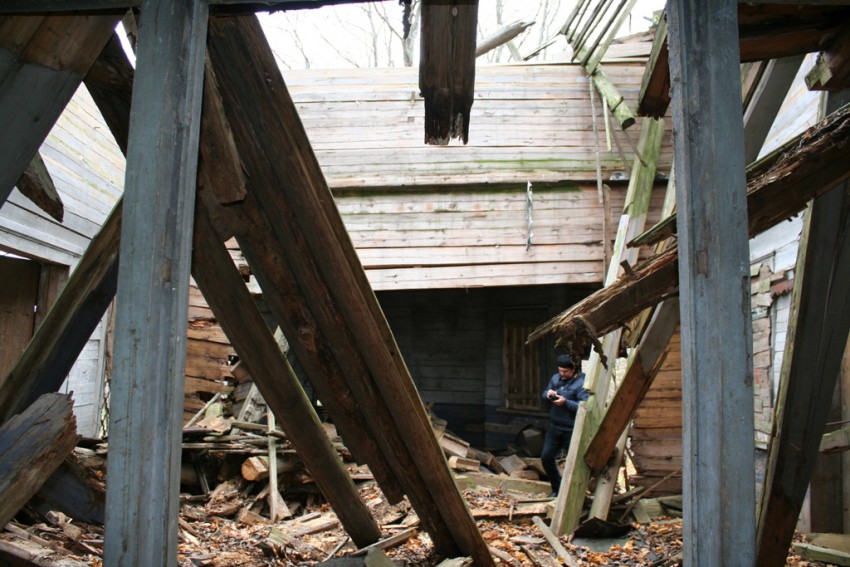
<point x="817" y="335"/>
<point x="634" y="385"/>
<point x="835" y="441"/>
<point x="153" y="283"/>
<point x="286" y="178"/>
<point x="238" y="314"/>
<point x="779" y="186"/>
<point x="576" y="473"/>
<point x="447" y="67"/>
<point x="36" y="184"/>
<point x="718" y="468"/>
<point x="222" y="6"/>
<point x="794" y="30"/>
<point x="501" y="36"/>
<point x="42" y="62"/>
<point x="33" y="444"/>
<point x="74" y="490"/>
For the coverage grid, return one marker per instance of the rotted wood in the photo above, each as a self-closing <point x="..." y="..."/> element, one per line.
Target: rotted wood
<point x="42" y="61"/>
<point x="447" y="67"/>
<point x="346" y="323"/>
<point x="220" y="282"/>
<point x="33" y="443"/>
<point x="37" y="186"/>
<point x="782" y="183"/>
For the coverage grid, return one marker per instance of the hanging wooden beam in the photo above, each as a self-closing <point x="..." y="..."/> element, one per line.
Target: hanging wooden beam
<point x="32" y="445"/>
<point x="716" y="329"/>
<point x="234" y="308"/>
<point x="42" y="62"/>
<point x="447" y="67"/>
<point x="37" y="186"/>
<point x="153" y="283"/>
<point x="311" y="247"/>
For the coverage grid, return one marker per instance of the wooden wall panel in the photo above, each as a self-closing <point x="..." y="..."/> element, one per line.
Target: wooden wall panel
<point x="18" y="297"/>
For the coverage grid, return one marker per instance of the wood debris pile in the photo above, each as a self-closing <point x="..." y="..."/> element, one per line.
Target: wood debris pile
<point x="226" y="517"/>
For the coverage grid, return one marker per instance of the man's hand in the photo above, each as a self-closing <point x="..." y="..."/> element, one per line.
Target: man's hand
<point x="559" y="400"/>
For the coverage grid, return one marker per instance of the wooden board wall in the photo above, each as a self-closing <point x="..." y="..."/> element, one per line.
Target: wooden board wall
<point x="528" y="122"/>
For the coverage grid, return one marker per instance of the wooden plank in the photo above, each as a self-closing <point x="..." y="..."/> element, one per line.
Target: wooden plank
<point x="447" y="68"/>
<point x="818" y="553"/>
<point x="238" y="314"/>
<point x="33" y="444"/>
<point x="42" y="62"/>
<point x="643" y="368"/>
<point x="153" y="280"/>
<point x="765" y="102"/>
<point x="224" y="6"/>
<point x="817" y="334"/>
<point x="714" y="288"/>
<point x="295" y="195"/>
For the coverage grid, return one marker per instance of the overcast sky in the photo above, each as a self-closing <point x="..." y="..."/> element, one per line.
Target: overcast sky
<point x="342" y="36"/>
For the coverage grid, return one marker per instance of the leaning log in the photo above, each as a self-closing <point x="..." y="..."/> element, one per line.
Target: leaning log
<point x="37" y="186"/>
<point x="778" y="187"/>
<point x="32" y="445"/>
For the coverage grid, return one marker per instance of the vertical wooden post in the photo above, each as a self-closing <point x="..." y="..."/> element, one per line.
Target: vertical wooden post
<point x="717" y="392"/>
<point x="153" y="283"/>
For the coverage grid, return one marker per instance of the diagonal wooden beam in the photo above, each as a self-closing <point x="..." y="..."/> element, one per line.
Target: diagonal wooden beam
<point x="817" y="335"/>
<point x="344" y="319"/>
<point x="447" y="67"/>
<point x="235" y="310"/>
<point x="779" y="186"/>
<point x="42" y="61"/>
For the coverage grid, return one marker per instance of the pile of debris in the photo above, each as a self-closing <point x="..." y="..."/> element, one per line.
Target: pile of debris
<point x="249" y="501"/>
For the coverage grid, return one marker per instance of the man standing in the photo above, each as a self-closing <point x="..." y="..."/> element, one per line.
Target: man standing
<point x="564" y="391"/>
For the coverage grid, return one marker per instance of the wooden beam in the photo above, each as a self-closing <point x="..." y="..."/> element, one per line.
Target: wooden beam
<point x="447" y="67"/>
<point x="835" y="441"/>
<point x="780" y="185"/>
<point x="765" y="102"/>
<point x="643" y="367"/>
<point x="32" y="445"/>
<point x="717" y="375"/>
<point x="817" y="335"/>
<point x="576" y="473"/>
<point x="502" y="36"/>
<point x="289" y="188"/>
<point x="235" y="310"/>
<point x="37" y="186"/>
<point x="56" y="344"/>
<point x="42" y="61"/>
<point x="153" y="283"/>
<point x="654" y="97"/>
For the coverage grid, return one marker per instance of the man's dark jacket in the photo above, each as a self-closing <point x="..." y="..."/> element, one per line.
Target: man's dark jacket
<point x="564" y="417"/>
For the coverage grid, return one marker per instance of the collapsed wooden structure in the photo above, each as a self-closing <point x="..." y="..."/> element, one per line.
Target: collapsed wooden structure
<point x="251" y="145"/>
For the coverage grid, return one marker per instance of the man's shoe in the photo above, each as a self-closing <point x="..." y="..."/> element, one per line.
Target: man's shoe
<point x="553" y="495"/>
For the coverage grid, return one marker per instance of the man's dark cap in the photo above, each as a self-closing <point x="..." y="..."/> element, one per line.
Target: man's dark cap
<point x="564" y="361"/>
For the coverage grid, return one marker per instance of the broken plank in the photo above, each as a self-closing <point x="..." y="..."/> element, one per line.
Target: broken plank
<point x="461" y="464"/>
<point x="447" y="68"/>
<point x="32" y="445"/>
<point x="386" y="543"/>
<point x="835" y="441"/>
<point x="555" y="543"/>
<point x="37" y="185"/>
<point x="817" y="553"/>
